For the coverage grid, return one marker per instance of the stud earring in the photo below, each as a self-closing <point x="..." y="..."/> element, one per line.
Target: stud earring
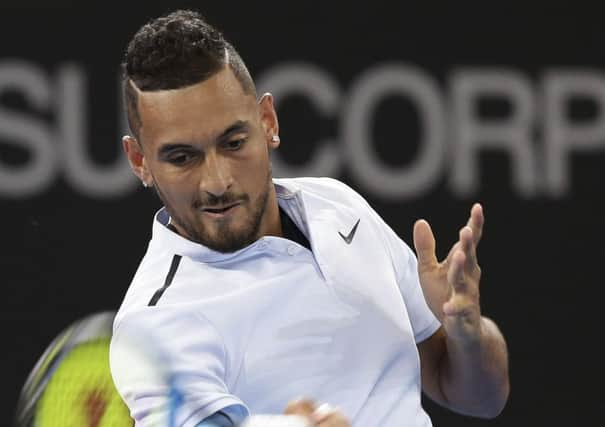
<point x="144" y="184"/>
<point x="275" y="138"/>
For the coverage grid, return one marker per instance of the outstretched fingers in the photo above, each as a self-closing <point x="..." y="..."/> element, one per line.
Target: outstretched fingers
<point x="463" y="273"/>
<point x="457" y="279"/>
<point x="456" y="276"/>
<point x="476" y="221"/>
<point x="424" y="242"/>
<point x="469" y="248"/>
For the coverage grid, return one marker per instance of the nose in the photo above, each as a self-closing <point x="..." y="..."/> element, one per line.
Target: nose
<point x="215" y="174"/>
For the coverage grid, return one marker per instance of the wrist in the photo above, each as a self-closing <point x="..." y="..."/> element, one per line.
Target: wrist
<point x="465" y="329"/>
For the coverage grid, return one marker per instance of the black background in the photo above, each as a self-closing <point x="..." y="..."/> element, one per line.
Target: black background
<point x="64" y="254"/>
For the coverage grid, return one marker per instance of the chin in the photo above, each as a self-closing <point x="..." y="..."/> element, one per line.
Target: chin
<point x="228" y="246"/>
<point x="229" y="240"/>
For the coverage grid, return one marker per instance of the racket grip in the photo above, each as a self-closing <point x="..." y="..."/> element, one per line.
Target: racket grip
<point x="262" y="420"/>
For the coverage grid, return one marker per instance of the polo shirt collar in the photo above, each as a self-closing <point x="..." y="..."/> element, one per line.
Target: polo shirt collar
<point x="322" y="218"/>
<point x="164" y="239"/>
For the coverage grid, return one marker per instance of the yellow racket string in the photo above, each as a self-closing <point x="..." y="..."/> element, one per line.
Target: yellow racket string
<point x="81" y="392"/>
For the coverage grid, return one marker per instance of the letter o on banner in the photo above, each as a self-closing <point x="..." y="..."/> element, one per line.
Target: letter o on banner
<point x="356" y="130"/>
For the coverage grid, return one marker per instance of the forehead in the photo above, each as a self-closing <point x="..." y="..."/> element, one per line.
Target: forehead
<point x="196" y="112"/>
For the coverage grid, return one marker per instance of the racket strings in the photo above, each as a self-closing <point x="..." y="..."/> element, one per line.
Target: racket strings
<point x="81" y="392"/>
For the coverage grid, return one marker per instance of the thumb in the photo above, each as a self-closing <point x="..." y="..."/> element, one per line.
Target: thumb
<point x="424" y="242"/>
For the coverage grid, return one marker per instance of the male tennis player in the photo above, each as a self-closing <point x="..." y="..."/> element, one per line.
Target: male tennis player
<point x="266" y="290"/>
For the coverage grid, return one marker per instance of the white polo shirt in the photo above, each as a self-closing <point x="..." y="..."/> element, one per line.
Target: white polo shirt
<point x="274" y="321"/>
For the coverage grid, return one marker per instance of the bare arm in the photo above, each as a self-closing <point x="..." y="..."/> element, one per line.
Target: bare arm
<point x="465" y="363"/>
<point x="471" y="380"/>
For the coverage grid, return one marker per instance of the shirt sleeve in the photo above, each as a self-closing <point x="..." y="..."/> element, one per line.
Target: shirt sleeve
<point x="168" y="364"/>
<point x="223" y="418"/>
<point x="423" y="321"/>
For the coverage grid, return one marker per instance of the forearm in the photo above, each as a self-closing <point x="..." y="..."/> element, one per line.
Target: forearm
<point x="474" y="376"/>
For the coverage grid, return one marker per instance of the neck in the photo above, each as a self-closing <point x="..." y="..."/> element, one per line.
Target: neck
<point x="271" y="223"/>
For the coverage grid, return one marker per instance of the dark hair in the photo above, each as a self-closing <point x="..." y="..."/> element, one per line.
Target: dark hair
<point x="174" y="51"/>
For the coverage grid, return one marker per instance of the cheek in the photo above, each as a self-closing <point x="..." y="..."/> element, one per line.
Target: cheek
<point x="177" y="189"/>
<point x="256" y="175"/>
<point x="254" y="167"/>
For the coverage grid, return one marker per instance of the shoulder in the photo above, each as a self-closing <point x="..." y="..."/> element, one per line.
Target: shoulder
<point x="150" y="276"/>
<point x="312" y="183"/>
<point x="150" y="346"/>
<point x="325" y="187"/>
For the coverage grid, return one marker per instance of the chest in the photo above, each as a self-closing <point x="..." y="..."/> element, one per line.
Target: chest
<point x="297" y="322"/>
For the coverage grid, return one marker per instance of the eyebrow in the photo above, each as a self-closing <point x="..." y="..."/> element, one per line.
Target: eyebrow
<point x="236" y="127"/>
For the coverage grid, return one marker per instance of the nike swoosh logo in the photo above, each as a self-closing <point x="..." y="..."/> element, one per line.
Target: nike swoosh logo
<point x="349" y="238"/>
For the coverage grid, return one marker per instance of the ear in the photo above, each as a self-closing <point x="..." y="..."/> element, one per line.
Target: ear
<point x="136" y="158"/>
<point x="269" y="122"/>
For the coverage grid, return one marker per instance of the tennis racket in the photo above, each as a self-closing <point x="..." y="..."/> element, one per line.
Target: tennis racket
<point x="71" y="385"/>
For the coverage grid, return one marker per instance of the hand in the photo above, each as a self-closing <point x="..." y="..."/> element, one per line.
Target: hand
<point x="319" y="416"/>
<point x="451" y="287"/>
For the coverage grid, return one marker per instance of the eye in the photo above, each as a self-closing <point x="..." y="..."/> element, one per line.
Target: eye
<point x="235" y="144"/>
<point x="180" y="158"/>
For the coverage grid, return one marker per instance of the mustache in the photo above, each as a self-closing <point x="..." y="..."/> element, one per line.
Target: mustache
<point x="211" y="201"/>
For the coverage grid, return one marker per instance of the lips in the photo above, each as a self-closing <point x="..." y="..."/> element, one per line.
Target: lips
<point x="219" y="211"/>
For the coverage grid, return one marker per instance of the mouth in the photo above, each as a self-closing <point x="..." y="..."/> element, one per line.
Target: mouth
<point x="220" y="211"/>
